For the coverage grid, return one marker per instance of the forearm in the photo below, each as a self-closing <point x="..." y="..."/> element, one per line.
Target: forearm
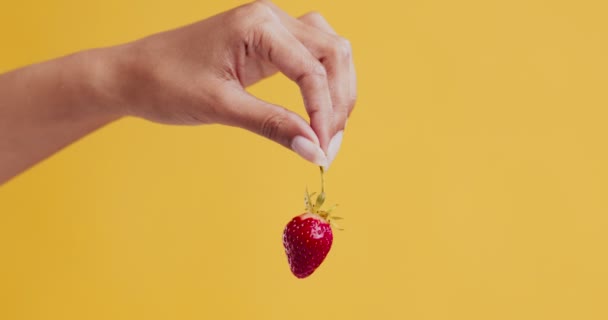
<point x="45" y="107"/>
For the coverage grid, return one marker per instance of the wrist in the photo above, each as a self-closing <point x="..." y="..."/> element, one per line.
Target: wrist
<point x="124" y="80"/>
<point x="99" y="80"/>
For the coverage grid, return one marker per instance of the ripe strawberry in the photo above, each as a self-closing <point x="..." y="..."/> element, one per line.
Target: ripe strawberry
<point x="307" y="238"/>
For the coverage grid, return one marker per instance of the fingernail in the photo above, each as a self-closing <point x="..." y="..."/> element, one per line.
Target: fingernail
<point x="334" y="147"/>
<point x="309" y="151"/>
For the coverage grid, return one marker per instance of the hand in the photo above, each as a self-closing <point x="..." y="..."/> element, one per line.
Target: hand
<point x="192" y="75"/>
<point x="197" y="74"/>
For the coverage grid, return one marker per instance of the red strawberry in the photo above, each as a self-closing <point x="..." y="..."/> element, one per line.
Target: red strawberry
<point x="307" y="238"/>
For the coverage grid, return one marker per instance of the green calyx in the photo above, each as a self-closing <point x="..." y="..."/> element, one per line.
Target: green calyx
<point x="314" y="204"/>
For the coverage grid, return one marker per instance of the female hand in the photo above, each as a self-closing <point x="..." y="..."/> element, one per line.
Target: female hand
<point x="192" y="75"/>
<point x="197" y="74"/>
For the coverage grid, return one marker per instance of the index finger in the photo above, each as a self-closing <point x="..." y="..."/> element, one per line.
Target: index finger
<point x="316" y="20"/>
<point x="277" y="45"/>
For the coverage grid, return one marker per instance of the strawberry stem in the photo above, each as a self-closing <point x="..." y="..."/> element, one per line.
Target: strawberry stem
<point x="322" y="179"/>
<point x="319" y="200"/>
<point x="321" y="196"/>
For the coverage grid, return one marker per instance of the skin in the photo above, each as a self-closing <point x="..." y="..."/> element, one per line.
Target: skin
<point x="193" y="75"/>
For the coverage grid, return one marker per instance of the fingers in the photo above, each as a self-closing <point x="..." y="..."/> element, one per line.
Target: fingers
<point x="316" y="20"/>
<point x="276" y="44"/>
<point x="309" y="52"/>
<point x="335" y="53"/>
<point x="276" y="123"/>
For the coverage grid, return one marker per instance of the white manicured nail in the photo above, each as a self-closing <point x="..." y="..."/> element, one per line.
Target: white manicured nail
<point x="309" y="151"/>
<point x="334" y="147"/>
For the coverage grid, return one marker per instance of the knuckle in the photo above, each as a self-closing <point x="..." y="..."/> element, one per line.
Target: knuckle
<point x="341" y="48"/>
<point x="340" y="116"/>
<point x="315" y="73"/>
<point x="313" y="16"/>
<point x="272" y="125"/>
<point x="351" y="101"/>
<point x="259" y="10"/>
<point x="250" y="15"/>
<point x="351" y="105"/>
<point x="345" y="106"/>
<point x="318" y="70"/>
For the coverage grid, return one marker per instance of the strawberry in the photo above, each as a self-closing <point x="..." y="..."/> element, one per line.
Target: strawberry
<point x="307" y="238"/>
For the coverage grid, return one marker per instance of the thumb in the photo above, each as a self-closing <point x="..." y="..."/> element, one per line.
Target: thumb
<point x="273" y="122"/>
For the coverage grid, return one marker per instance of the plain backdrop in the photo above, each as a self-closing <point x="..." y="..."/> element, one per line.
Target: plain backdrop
<point x="472" y="178"/>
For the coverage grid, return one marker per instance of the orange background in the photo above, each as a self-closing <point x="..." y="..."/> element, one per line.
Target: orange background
<point x="472" y="177"/>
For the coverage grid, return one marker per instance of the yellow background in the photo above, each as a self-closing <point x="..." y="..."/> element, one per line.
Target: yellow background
<point x="473" y="176"/>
